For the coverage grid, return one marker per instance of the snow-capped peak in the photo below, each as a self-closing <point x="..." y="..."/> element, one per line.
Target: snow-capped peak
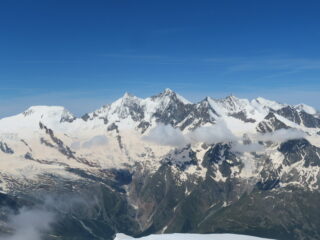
<point x="171" y="94"/>
<point x="229" y="104"/>
<point x="127" y="96"/>
<point x="168" y="90"/>
<point x="183" y="100"/>
<point x="51" y="116"/>
<point x="166" y="93"/>
<point x="58" y="113"/>
<point x="268" y="103"/>
<point x="308" y="109"/>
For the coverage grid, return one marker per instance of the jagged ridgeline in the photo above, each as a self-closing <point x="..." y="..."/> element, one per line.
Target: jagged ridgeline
<point x="161" y="165"/>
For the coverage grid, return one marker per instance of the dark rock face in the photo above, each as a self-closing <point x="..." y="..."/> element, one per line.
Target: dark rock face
<point x="242" y="116"/>
<point x="270" y="124"/>
<point x="198" y="115"/>
<point x="309" y="120"/>
<point x="143" y="125"/>
<point x="299" y="117"/>
<point x="65" y="150"/>
<point x="85" y="117"/>
<point x="186" y="159"/>
<point x="217" y="154"/>
<point x="290" y="113"/>
<point x="5" y="148"/>
<point x="174" y="112"/>
<point x="268" y="184"/>
<point x="132" y="109"/>
<point x="122" y="176"/>
<point x="300" y="149"/>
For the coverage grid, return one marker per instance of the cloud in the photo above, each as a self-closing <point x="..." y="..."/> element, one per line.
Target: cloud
<point x="277" y="63"/>
<point x="281" y="135"/>
<point x="252" y="147"/>
<point x="166" y="135"/>
<point x="212" y="134"/>
<point x="278" y="136"/>
<point x="32" y="223"/>
<point x="29" y="224"/>
<point x="95" y="141"/>
<point x="217" y="133"/>
<point x="135" y="56"/>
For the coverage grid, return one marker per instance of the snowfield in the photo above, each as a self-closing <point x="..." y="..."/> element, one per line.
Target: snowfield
<point x="178" y="236"/>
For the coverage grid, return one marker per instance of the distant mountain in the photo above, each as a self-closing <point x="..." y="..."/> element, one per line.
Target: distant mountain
<point x="164" y="165"/>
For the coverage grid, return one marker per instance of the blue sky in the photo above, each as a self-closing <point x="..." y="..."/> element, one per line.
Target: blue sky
<point x="83" y="54"/>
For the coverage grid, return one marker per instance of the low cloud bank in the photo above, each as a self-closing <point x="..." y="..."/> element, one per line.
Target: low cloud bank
<point x="219" y="132"/>
<point x="211" y="134"/>
<point x="166" y="135"/>
<point x="281" y="135"/>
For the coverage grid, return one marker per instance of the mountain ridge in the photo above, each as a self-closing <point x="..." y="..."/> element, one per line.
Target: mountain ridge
<point x="165" y="165"/>
<point x="266" y="102"/>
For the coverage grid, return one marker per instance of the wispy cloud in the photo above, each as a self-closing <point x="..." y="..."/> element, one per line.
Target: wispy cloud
<point x="135" y="56"/>
<point x="30" y="224"/>
<point x="146" y="58"/>
<point x="238" y="64"/>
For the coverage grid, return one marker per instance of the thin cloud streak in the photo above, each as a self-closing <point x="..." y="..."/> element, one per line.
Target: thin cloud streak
<point x="239" y="64"/>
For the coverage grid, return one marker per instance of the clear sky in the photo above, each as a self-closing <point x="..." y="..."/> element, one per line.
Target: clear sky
<point x="83" y="54"/>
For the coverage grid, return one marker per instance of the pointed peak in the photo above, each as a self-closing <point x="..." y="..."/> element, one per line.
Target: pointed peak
<point x="268" y="103"/>
<point x="232" y="97"/>
<point x="50" y="112"/>
<point x="207" y="99"/>
<point x="306" y="108"/>
<point x="168" y="91"/>
<point x="44" y="109"/>
<point x="127" y="95"/>
<point x="165" y="92"/>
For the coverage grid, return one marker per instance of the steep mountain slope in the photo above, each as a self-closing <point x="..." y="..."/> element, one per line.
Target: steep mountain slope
<point x="162" y="165"/>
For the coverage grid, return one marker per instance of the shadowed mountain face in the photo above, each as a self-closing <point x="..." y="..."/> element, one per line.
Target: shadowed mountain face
<point x="161" y="165"/>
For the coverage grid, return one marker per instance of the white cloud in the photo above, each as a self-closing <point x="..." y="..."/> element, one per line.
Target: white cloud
<point x="166" y="135"/>
<point x="281" y="135"/>
<point x="252" y="147"/>
<point x="95" y="141"/>
<point x="218" y="132"/>
<point x="30" y="224"/>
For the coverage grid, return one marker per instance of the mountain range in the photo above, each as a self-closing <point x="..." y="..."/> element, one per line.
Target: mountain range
<point x="161" y="165"/>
